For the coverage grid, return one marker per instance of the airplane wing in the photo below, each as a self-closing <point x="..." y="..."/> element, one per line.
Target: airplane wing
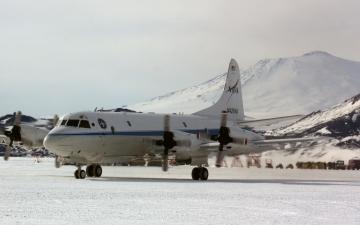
<point x="269" y="121"/>
<point x="283" y="141"/>
<point x="253" y="146"/>
<point x="215" y="145"/>
<point x="33" y="136"/>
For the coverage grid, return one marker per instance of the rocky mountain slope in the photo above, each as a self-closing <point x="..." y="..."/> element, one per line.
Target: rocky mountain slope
<point x="341" y="122"/>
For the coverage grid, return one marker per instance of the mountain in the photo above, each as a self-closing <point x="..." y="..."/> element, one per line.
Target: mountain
<point x="273" y="87"/>
<point x="339" y="121"/>
<point x="8" y="119"/>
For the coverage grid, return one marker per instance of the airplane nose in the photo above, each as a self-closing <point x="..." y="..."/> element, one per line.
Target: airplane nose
<point x="49" y="142"/>
<point x="58" y="144"/>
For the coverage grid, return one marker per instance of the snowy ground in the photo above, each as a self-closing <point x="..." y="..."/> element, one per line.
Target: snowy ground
<point x="37" y="193"/>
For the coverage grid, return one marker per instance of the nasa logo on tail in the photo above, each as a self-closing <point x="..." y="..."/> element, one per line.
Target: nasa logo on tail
<point x="232" y="111"/>
<point x="234" y="89"/>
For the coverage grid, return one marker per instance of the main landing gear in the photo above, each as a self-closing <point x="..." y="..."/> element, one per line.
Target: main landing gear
<point x="93" y="170"/>
<point x="200" y="173"/>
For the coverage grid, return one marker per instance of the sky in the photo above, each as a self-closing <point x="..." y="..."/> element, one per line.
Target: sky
<point x="64" y="56"/>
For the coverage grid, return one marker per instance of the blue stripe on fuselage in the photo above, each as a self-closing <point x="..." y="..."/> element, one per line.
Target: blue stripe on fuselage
<point x="133" y="133"/>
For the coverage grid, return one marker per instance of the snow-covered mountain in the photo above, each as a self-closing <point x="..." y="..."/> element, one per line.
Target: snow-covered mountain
<point x="340" y="125"/>
<point x="273" y="87"/>
<point x="342" y="120"/>
<point x="8" y="119"/>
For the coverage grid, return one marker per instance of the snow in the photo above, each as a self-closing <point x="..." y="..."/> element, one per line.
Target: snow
<point x="355" y="117"/>
<point x="37" y="193"/>
<point x="324" y="151"/>
<point x="355" y="137"/>
<point x="273" y="87"/>
<point x="323" y="131"/>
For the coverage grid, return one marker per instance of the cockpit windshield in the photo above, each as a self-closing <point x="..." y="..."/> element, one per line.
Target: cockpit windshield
<point x="72" y="123"/>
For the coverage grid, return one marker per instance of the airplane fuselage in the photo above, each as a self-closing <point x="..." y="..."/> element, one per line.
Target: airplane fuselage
<point x="109" y="137"/>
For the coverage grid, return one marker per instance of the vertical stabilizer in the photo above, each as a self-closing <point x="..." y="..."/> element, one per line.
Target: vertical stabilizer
<point x="231" y="98"/>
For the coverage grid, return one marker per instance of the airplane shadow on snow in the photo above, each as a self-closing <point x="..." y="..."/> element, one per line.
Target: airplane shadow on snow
<point x="244" y="181"/>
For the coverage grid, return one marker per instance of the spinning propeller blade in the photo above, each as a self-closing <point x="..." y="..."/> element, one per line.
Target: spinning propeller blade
<point x="15" y="134"/>
<point x="168" y="142"/>
<point x="223" y="138"/>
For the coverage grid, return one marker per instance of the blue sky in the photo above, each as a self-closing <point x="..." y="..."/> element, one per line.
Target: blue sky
<point x="66" y="56"/>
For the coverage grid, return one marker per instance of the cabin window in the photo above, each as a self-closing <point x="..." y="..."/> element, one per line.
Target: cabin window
<point x="185" y="125"/>
<point x="72" y="123"/>
<point x="63" y="122"/>
<point x="84" y="124"/>
<point x="93" y="124"/>
<point x="128" y="122"/>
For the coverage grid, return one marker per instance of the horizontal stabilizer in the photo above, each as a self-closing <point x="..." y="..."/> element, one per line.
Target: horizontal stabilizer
<point x="269" y="121"/>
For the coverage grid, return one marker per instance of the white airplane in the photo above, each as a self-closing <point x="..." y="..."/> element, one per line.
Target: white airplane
<point x="30" y="134"/>
<point x="96" y="138"/>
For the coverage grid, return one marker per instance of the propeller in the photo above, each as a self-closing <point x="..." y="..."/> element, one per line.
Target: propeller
<point x="223" y="138"/>
<point x="14" y="135"/>
<point x="168" y="142"/>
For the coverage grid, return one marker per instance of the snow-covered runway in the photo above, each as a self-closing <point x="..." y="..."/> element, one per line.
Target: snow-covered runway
<point x="37" y="193"/>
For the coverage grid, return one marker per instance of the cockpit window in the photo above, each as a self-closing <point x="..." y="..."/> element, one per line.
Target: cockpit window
<point x="84" y="124"/>
<point x="63" y="122"/>
<point x="72" y="123"/>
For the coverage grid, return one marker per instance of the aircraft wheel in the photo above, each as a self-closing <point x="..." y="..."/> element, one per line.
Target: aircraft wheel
<point x="90" y="170"/>
<point x="195" y="174"/>
<point x="77" y="174"/>
<point x="82" y="174"/>
<point x="204" y="173"/>
<point x="98" y="171"/>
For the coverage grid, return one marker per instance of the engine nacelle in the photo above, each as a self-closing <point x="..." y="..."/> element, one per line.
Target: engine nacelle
<point x="242" y="136"/>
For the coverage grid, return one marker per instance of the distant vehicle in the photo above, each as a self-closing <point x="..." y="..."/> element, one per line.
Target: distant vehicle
<point x="280" y="166"/>
<point x="290" y="166"/>
<point x="269" y="164"/>
<point x="354" y="164"/>
<point x="338" y="165"/>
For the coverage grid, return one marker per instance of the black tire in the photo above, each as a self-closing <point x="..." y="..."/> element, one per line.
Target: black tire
<point x="82" y="174"/>
<point x="195" y="174"/>
<point x="90" y="171"/>
<point x="204" y="173"/>
<point x="77" y="174"/>
<point x="98" y="171"/>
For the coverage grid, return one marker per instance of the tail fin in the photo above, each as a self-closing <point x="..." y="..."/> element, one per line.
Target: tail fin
<point x="231" y="98"/>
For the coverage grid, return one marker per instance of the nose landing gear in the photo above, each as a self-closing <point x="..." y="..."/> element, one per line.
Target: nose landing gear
<point x="79" y="173"/>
